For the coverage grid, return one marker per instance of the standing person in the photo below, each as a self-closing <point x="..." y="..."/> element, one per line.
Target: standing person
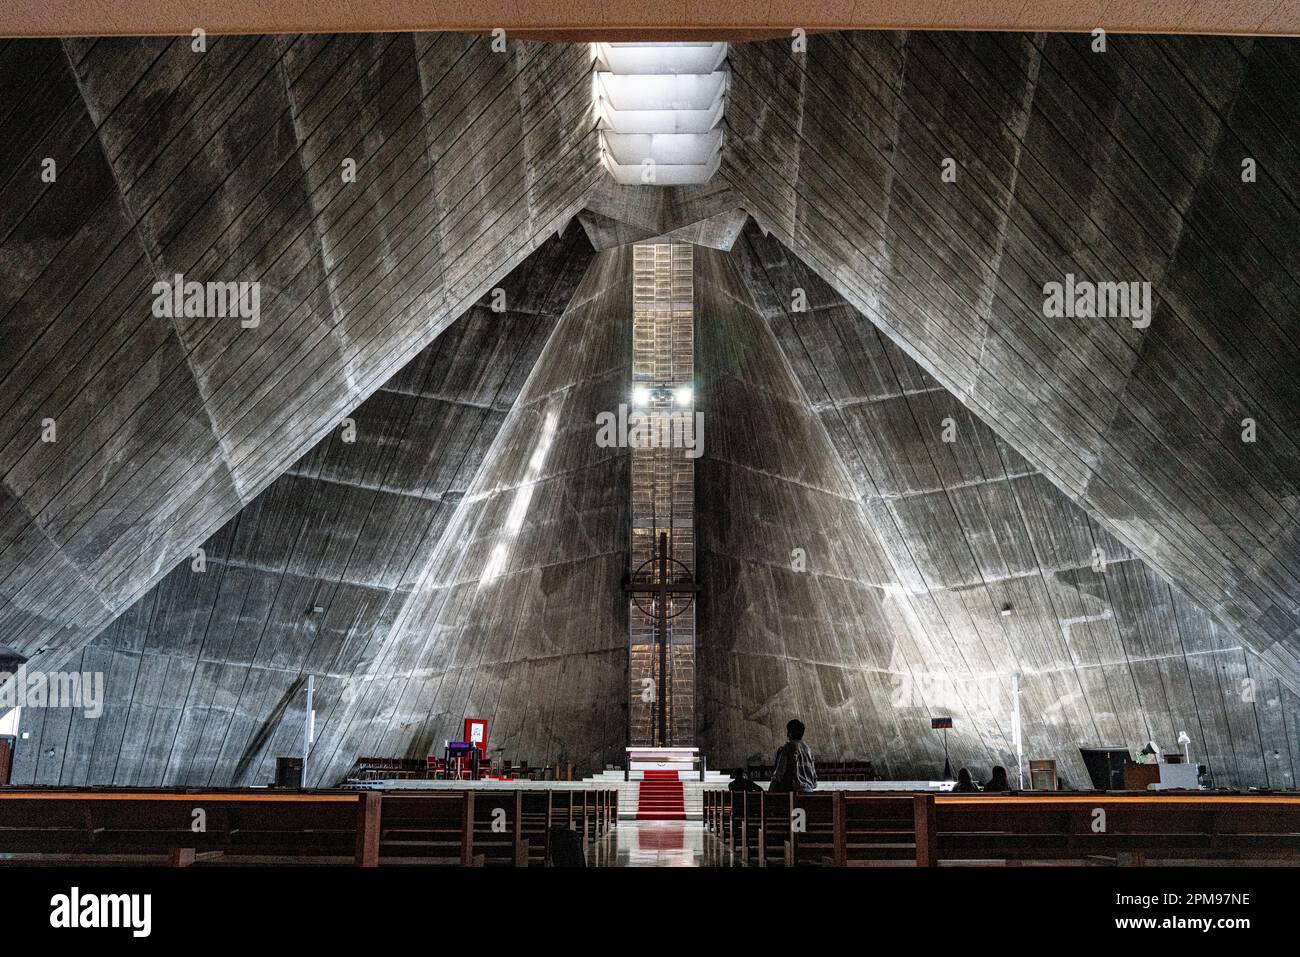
<point x="794" y="770"/>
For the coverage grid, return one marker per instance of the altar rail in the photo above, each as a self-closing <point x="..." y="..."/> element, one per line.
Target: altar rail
<point x="182" y="827"/>
<point x="840" y="828"/>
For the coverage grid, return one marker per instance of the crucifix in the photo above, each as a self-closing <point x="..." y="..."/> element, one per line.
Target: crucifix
<point x="659" y="580"/>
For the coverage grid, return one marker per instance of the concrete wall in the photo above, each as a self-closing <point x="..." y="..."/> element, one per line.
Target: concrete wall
<point x="1107" y="650"/>
<point x="227" y="165"/>
<point x="205" y="674"/>
<point x="1116" y="166"/>
<point x="825" y="643"/>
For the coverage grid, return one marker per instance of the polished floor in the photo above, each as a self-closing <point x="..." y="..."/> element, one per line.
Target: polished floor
<point x="659" y="844"/>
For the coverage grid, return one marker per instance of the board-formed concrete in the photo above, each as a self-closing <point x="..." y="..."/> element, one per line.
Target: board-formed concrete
<point x="940" y="181"/>
<point x="1114" y="516"/>
<point x="1008" y="575"/>
<point x="518" y="615"/>
<point x="799" y="613"/>
<point x="205" y="675"/>
<point x="374" y="185"/>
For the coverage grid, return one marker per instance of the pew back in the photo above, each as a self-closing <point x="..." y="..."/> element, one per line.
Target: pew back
<point x="491" y="827"/>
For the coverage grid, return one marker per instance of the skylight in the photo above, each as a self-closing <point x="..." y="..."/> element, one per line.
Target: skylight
<point x="660" y="107"/>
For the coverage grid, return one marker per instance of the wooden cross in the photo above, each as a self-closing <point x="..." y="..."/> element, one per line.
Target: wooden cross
<point x="661" y="590"/>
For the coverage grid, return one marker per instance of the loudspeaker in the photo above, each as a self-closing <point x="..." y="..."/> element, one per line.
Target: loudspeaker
<point x="288" y="772"/>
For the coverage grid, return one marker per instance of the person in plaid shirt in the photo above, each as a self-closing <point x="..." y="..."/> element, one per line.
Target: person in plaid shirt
<point x="794" y="770"/>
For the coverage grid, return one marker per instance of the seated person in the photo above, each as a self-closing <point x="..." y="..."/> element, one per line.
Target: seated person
<point x="998" y="782"/>
<point x="794" y="770"/>
<point x="965" y="783"/>
<point x="741" y="781"/>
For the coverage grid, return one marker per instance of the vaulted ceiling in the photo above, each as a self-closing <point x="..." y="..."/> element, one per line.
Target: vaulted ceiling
<point x="1118" y="166"/>
<point x="995" y="572"/>
<point x="459" y="566"/>
<point x="230" y="164"/>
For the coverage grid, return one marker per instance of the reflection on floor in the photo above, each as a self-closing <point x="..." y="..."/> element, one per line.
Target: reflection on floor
<point x="659" y="844"/>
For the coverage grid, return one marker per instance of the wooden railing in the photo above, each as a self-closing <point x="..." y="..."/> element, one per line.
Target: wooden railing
<point x="469" y="827"/>
<point x="847" y="827"/>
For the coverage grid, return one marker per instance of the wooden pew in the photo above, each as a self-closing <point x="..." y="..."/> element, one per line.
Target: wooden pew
<point x="470" y="827"/>
<point x="122" y="825"/>
<point x="800" y="829"/>
<point x="429" y="827"/>
<point x="743" y="833"/>
<point x="1108" y="828"/>
<point x="881" y="828"/>
<point x="537" y="814"/>
<point x="717" y="811"/>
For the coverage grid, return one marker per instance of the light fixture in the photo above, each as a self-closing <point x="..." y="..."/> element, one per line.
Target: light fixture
<point x="640" y="395"/>
<point x="683" y="395"/>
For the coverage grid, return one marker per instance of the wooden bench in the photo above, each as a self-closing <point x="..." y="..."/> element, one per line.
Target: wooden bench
<point x="180" y="827"/>
<point x="828" y="827"/>
<point x="1107" y="828"/>
<point x="428" y="827"/>
<point x="469" y="827"/>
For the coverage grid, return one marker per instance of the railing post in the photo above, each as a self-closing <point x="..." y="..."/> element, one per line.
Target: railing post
<point x="927" y="834"/>
<point x="550" y="819"/>
<point x="519" y="830"/>
<point x="368" y="824"/>
<point x="841" y="852"/>
<point x="467" y="830"/>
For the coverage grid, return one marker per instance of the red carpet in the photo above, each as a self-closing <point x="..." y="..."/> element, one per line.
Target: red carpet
<point x="661" y="797"/>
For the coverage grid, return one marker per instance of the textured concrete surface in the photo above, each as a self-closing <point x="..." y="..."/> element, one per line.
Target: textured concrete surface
<point x="466" y="552"/>
<point x="823" y="641"/>
<point x="518" y="615"/>
<point x="1107" y="650"/>
<point x="1122" y="166"/>
<point x="228" y="165"/>
<point x="205" y="674"/>
<point x="707" y="215"/>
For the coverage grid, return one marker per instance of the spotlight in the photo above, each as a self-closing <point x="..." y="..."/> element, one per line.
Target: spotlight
<point x="683" y="395"/>
<point x="640" y="395"/>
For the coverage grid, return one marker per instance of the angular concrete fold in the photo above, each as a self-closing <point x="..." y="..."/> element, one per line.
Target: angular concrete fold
<point x="940" y="182"/>
<point x="127" y="439"/>
<point x="205" y="673"/>
<point x="927" y="477"/>
<point x="1004" y="575"/>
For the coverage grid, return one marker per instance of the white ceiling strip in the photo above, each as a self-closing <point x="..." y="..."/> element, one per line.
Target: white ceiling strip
<point x="659" y="108"/>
